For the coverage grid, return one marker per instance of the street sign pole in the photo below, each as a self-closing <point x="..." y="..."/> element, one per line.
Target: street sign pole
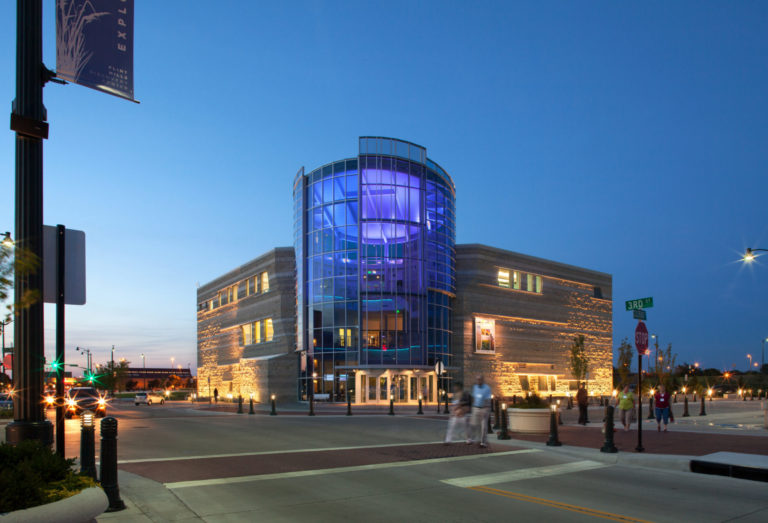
<point x="60" y="300"/>
<point x="28" y="121"/>
<point x="641" y="344"/>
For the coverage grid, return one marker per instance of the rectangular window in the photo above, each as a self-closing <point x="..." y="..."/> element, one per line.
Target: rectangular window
<point x="516" y="280"/>
<point x="504" y="278"/>
<point x="264" y="282"/>
<point x="248" y="287"/>
<point x="529" y="282"/>
<point x="247" y="334"/>
<point x="256" y="332"/>
<point x="268" y="330"/>
<point x="539" y="284"/>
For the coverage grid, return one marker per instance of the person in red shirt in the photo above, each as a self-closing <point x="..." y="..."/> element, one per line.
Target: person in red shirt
<point x="661" y="401"/>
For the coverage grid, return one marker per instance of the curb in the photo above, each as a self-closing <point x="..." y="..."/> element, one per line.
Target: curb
<point x="84" y="506"/>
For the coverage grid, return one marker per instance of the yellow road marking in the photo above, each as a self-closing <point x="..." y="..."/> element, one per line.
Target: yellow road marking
<point x="556" y="504"/>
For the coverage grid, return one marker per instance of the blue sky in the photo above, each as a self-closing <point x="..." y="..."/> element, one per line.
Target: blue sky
<point x="626" y="137"/>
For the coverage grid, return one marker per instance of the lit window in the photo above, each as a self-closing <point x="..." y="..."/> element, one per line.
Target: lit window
<point x="248" y="287"/>
<point x="256" y="332"/>
<point x="247" y="334"/>
<point x="268" y="330"/>
<point x="504" y="278"/>
<point x="234" y="293"/>
<point x="529" y="283"/>
<point x="539" y="284"/>
<point x="264" y="282"/>
<point x="516" y="280"/>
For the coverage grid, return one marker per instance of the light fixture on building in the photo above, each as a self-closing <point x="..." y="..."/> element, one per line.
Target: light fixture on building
<point x="7" y="241"/>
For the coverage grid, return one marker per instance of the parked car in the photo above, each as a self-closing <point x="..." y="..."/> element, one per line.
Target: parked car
<point x="79" y="399"/>
<point x="148" y="398"/>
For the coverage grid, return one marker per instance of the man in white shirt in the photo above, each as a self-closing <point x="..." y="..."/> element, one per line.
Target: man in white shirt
<point x="481" y="401"/>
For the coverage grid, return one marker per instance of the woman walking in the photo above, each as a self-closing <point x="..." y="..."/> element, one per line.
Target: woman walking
<point x="626" y="407"/>
<point x="661" y="400"/>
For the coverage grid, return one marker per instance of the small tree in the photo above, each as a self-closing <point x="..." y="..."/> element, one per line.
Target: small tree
<point x="625" y="361"/>
<point x="578" y="361"/>
<point x="111" y="374"/>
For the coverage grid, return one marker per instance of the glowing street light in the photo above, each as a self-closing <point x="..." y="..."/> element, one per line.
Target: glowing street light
<point x="8" y="241"/>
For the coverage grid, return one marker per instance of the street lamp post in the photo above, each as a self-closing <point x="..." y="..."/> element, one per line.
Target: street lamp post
<point x="4" y="325"/>
<point x="144" y="367"/>
<point x="749" y="255"/>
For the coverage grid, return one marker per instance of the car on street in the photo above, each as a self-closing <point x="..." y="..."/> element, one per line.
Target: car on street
<point x="148" y="398"/>
<point x="79" y="399"/>
<point x="6" y="400"/>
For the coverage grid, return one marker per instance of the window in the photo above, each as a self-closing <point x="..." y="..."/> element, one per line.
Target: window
<point x="533" y="283"/>
<point x="248" y="287"/>
<point x="268" y="330"/>
<point x="256" y="332"/>
<point x="247" y="334"/>
<point x="539" y="284"/>
<point x="503" y="278"/>
<point x="264" y="282"/>
<point x="529" y="282"/>
<point x="516" y="280"/>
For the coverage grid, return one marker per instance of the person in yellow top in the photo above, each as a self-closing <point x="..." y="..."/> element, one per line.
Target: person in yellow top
<point x="626" y="402"/>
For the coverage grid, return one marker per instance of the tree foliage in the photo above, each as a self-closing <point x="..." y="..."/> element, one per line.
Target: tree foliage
<point x="578" y="361"/>
<point x="110" y="374"/>
<point x="625" y="362"/>
<point x="25" y="263"/>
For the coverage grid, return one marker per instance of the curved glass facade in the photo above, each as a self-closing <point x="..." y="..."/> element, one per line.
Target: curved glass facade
<point x="375" y="242"/>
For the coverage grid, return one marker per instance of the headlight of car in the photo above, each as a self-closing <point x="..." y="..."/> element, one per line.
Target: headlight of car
<point x="71" y="403"/>
<point x="49" y="400"/>
<point x="102" y="403"/>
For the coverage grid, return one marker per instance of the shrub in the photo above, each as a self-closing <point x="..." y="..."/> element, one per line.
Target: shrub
<point x="534" y="401"/>
<point x="32" y="474"/>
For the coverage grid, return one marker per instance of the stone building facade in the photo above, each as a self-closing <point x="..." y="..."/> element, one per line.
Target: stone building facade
<point x="516" y="317"/>
<point x="246" y="330"/>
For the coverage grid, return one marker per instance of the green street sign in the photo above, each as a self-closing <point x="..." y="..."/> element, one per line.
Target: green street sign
<point x="642" y="303"/>
<point x="639" y="314"/>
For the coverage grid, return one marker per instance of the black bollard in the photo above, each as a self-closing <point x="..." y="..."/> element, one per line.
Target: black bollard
<point x="349" y="404"/>
<point x="274" y="410"/>
<point x="87" y="445"/>
<point x="744" y="396"/>
<point x="751" y="394"/>
<point x="685" y="407"/>
<point x="674" y="398"/>
<point x="445" y="402"/>
<point x="559" y="414"/>
<point x="608" y="445"/>
<point x="496" y="424"/>
<point x="250" y="408"/>
<point x="489" y="429"/>
<point x="311" y="404"/>
<point x="650" y="408"/>
<point x="420" y="411"/>
<point x="108" y="472"/>
<point x="702" y="412"/>
<point x="504" y="432"/>
<point x="239" y="404"/>
<point x="569" y="405"/>
<point x="391" y="405"/>
<point x="514" y="399"/>
<point x="553" y="441"/>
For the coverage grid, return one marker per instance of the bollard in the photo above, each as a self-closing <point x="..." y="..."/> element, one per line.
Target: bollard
<point x="514" y="399"/>
<point x="392" y="405"/>
<point x="250" y="409"/>
<point x="349" y="404"/>
<point x="87" y="445"/>
<point x="694" y="397"/>
<point x="311" y="405"/>
<point x="420" y="411"/>
<point x="496" y="424"/>
<point x="553" y="441"/>
<point x="608" y="445"/>
<point x="108" y="473"/>
<point x="650" y="408"/>
<point x="674" y="398"/>
<point x="503" y="433"/>
<point x="569" y="405"/>
<point x="445" y="402"/>
<point x="685" y="407"/>
<point x="489" y="428"/>
<point x="274" y="411"/>
<point x="239" y="404"/>
<point x="751" y="394"/>
<point x="559" y="414"/>
<point x="702" y="412"/>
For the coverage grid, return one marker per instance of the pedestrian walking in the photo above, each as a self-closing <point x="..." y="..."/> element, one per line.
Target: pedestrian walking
<point x="626" y="402"/>
<point x="216" y="395"/>
<point x="661" y="401"/>
<point x="481" y="400"/>
<point x="583" y="401"/>
<point x="460" y="410"/>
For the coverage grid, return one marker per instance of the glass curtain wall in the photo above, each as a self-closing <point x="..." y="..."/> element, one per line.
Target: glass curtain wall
<point x="375" y="242"/>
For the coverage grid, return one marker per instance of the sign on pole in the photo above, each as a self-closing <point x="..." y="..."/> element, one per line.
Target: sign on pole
<point x="639" y="314"/>
<point x="439" y="368"/>
<point x="74" y="266"/>
<point x="94" y="44"/>
<point x="641" y="338"/>
<point x="642" y="303"/>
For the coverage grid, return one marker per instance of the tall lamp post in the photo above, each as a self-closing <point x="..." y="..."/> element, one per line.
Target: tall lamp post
<point x="144" y="367"/>
<point x="762" y="355"/>
<point x="4" y="325"/>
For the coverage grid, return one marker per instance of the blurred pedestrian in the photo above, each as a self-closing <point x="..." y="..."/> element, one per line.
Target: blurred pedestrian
<point x="661" y="401"/>
<point x="583" y="401"/>
<point x="216" y="395"/>
<point x="481" y="400"/>
<point x="626" y="402"/>
<point x="460" y="409"/>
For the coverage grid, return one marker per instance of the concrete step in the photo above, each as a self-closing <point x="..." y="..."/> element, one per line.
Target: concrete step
<point x="733" y="464"/>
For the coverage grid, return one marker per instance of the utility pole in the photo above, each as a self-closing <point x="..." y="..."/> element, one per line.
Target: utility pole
<point x="114" y="374"/>
<point x="28" y="121"/>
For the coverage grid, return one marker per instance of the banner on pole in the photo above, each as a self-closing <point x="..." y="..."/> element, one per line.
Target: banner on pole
<point x="94" y="44"/>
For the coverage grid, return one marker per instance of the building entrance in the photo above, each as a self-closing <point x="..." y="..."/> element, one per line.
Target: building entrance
<point x="377" y="387"/>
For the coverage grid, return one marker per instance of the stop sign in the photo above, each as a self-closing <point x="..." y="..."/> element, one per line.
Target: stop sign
<point x="641" y="338"/>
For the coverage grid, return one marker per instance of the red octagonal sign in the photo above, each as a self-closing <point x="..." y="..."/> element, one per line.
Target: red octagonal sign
<point x="641" y="338"/>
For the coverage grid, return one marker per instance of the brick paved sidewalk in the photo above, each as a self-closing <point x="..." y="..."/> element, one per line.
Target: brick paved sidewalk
<point x="680" y="443"/>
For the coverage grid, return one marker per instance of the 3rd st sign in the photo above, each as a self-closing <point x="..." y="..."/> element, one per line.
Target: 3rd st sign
<point x="641" y="338"/>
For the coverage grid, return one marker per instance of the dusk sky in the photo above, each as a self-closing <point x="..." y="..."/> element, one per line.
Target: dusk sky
<point x="625" y="137"/>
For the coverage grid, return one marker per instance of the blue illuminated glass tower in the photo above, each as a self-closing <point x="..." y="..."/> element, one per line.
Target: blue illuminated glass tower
<point x="375" y="275"/>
